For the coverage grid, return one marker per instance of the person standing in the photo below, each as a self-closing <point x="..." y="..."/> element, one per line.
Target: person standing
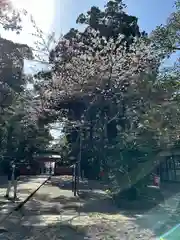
<point x="13" y="176"/>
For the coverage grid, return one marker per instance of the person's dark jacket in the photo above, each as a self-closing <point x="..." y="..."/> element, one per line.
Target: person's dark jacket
<point x="16" y="172"/>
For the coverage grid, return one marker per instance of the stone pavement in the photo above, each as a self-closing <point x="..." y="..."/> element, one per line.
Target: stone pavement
<point x="26" y="186"/>
<point x="54" y="213"/>
<point x="39" y="213"/>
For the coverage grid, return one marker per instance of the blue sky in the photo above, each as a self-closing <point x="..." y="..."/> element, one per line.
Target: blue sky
<point x="150" y="12"/>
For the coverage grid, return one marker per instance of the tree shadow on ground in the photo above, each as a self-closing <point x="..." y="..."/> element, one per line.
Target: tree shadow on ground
<point x="89" y="202"/>
<point x="94" y="192"/>
<point x="89" y="195"/>
<point x="19" y="229"/>
<point x="156" y="215"/>
<point x="164" y="216"/>
<point x="97" y="217"/>
<point x="28" y="223"/>
<point x="156" y="209"/>
<point x="32" y="226"/>
<point x="65" y="182"/>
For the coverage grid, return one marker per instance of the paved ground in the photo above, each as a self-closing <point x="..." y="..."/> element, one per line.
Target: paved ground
<point x="54" y="213"/>
<point x="25" y="186"/>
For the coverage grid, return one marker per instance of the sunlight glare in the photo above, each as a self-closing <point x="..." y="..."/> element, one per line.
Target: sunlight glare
<point x="43" y="12"/>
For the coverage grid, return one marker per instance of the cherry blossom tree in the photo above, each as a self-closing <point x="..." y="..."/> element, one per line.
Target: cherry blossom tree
<point x="118" y="98"/>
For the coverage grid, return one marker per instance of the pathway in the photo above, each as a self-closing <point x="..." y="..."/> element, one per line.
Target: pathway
<point x="25" y="186"/>
<point x="54" y="213"/>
